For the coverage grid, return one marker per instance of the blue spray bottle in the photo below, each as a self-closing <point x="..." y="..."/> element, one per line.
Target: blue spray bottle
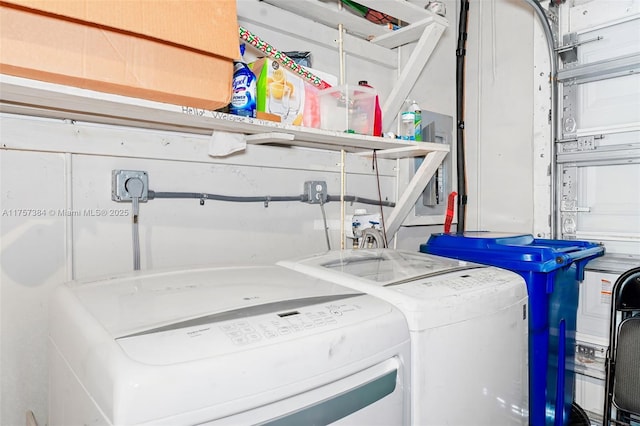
<point x="243" y="98"/>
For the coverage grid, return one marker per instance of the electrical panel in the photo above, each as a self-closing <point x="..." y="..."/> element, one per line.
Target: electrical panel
<point x="436" y="128"/>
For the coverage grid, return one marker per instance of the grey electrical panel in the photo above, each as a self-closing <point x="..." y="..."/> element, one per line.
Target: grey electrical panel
<point x="436" y="128"/>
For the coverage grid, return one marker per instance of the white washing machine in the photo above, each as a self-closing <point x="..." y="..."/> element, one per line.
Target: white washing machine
<point x="226" y="346"/>
<point x="468" y="326"/>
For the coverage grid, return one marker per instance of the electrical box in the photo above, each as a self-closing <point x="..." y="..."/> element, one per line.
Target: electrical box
<point x="315" y="191"/>
<point x="436" y="128"/>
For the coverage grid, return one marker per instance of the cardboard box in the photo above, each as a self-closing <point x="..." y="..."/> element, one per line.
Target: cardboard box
<point x="278" y="91"/>
<point x="210" y="26"/>
<point x="285" y="94"/>
<point x="269" y="117"/>
<point x="44" y="47"/>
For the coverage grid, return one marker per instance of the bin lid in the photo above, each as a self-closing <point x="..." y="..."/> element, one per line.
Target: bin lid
<point x="519" y="252"/>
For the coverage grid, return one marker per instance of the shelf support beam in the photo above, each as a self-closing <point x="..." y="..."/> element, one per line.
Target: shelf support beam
<point x="411" y="194"/>
<point x="410" y="72"/>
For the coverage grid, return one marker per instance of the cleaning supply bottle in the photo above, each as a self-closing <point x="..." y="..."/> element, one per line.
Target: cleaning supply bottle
<point x="243" y="98"/>
<point x="377" y="118"/>
<point x="407" y="118"/>
<point x="417" y="121"/>
<point x="411" y="121"/>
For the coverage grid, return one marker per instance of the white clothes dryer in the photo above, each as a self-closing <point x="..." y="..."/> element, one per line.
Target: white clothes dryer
<point x="468" y="326"/>
<point x="225" y="346"/>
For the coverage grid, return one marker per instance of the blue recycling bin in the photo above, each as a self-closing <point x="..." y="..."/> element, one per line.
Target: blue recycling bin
<point x="552" y="270"/>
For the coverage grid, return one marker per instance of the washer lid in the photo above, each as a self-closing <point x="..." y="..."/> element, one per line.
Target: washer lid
<point x="268" y="335"/>
<point x="431" y="291"/>
<point x="139" y="303"/>
<point x="384" y="266"/>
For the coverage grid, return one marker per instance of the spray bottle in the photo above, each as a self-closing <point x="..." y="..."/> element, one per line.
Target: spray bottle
<point x="243" y="98"/>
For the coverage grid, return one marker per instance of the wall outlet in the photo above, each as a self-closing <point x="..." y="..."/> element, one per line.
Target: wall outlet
<point x="119" y="180"/>
<point x="316" y="192"/>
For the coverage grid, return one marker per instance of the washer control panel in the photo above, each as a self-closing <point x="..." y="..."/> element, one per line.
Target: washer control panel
<point x="251" y="330"/>
<point x="170" y="344"/>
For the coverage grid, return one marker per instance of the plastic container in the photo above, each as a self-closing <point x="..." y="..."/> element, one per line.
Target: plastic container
<point x="377" y="113"/>
<point x="358" y="222"/>
<point x="348" y="109"/>
<point x="552" y="270"/>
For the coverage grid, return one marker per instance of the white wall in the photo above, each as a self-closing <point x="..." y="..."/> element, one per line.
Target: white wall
<point x="45" y="164"/>
<point x="506" y="108"/>
<point x="499" y="116"/>
<point x="39" y="253"/>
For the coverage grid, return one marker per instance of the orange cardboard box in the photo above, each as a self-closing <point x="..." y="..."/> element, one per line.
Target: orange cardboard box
<point x="207" y="25"/>
<point x="45" y="47"/>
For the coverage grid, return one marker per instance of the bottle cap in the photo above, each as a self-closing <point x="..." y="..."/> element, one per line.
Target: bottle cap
<point x="363" y="83"/>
